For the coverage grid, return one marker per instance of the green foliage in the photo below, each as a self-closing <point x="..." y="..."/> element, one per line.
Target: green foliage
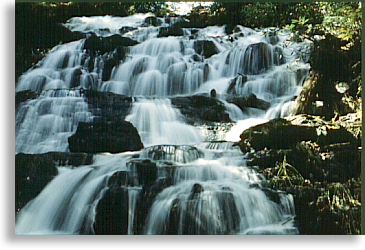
<point x="260" y="15"/>
<point x="145" y="7"/>
<point x="285" y="174"/>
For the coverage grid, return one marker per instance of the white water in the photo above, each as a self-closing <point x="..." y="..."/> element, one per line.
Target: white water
<point x="153" y="71"/>
<point x="158" y="122"/>
<point x="67" y="204"/>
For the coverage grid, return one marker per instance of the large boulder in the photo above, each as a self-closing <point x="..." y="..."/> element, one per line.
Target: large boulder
<point x="107" y="44"/>
<point x="103" y="136"/>
<point x="107" y="106"/>
<point x="170" y="31"/>
<point x="201" y="109"/>
<point x="285" y="133"/>
<point x="34" y="171"/>
<point x="205" y="48"/>
<point x="248" y="101"/>
<point x="257" y="58"/>
<point x="172" y="153"/>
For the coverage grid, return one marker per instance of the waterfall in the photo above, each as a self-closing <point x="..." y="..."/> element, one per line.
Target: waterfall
<point x="180" y="183"/>
<point x="67" y="204"/>
<point x="158" y="122"/>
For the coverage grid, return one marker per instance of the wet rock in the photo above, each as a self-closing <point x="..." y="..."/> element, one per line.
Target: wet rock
<point x="247" y="101"/>
<point x="276" y="134"/>
<point x="23" y="96"/>
<point x="112" y="212"/>
<point x="75" y="78"/>
<point x="107" y="44"/>
<point x="103" y="136"/>
<point x="262" y="54"/>
<point x="152" y="20"/>
<point x="146" y="171"/>
<point x="195" y="191"/>
<point x="170" y="31"/>
<point x="34" y="171"/>
<point x="126" y="29"/>
<point x="173" y="153"/>
<point x="286" y="133"/>
<point x="205" y="48"/>
<point x="107" y="106"/>
<point x="238" y="81"/>
<point x="201" y="109"/>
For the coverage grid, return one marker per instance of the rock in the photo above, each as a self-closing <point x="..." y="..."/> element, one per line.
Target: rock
<point x="213" y="93"/>
<point x="152" y="20"/>
<point x="107" y="106"/>
<point x="248" y="101"/>
<point x="200" y="109"/>
<point x="23" y="96"/>
<point x="75" y="78"/>
<point x="286" y="133"/>
<point x="205" y="48"/>
<point x="104" y="136"/>
<point x="146" y="171"/>
<point x="173" y="30"/>
<point x="112" y="212"/>
<point x="278" y="56"/>
<point x="320" y="97"/>
<point x="138" y="185"/>
<point x="107" y="44"/>
<point x="126" y="29"/>
<point x="238" y="81"/>
<point x="257" y="58"/>
<point x="172" y="153"/>
<point x="34" y="171"/>
<point x="109" y="64"/>
<point x="195" y="191"/>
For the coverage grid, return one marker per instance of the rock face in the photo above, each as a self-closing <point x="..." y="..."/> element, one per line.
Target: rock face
<point x="248" y="101"/>
<point x="318" y="162"/>
<point x="134" y="191"/>
<point x="205" y="48"/>
<point x="34" y="171"/>
<point x="124" y="192"/>
<point x="170" y="31"/>
<point x="261" y="52"/>
<point x="107" y="44"/>
<point x="107" y="106"/>
<point x="284" y="133"/>
<point x="200" y="109"/>
<point x="103" y="136"/>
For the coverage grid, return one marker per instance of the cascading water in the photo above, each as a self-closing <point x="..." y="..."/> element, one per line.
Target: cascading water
<point x="208" y="187"/>
<point x="159" y="123"/>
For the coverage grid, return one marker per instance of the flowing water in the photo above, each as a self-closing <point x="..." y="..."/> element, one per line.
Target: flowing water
<point x="211" y="189"/>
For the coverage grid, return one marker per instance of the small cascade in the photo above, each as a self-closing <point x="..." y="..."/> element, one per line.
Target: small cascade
<point x="157" y="122"/>
<point x="173" y="153"/>
<point x="67" y="204"/>
<point x="215" y="198"/>
<point x="44" y="124"/>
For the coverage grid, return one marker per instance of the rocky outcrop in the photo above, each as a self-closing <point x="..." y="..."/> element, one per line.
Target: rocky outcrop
<point x="105" y="136"/>
<point x="284" y="133"/>
<point x="107" y="44"/>
<point x="248" y="101"/>
<point x="133" y="189"/>
<point x="261" y="52"/>
<point x="171" y="153"/>
<point x="107" y="106"/>
<point x="170" y="31"/>
<point x="200" y="109"/>
<point x="318" y="162"/>
<point x="205" y="48"/>
<point x="34" y="171"/>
